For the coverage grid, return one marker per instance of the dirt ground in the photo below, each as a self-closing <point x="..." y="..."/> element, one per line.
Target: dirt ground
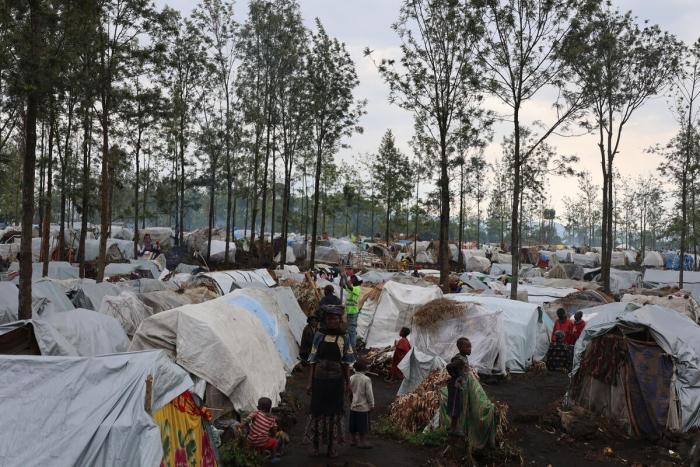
<point x="532" y="401"/>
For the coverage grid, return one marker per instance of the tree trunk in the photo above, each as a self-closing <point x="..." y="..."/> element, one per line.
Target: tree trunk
<point x="443" y="254"/>
<point x="25" y="260"/>
<point x="65" y="163"/>
<point x="212" y="195"/>
<point x="105" y="214"/>
<point x="137" y="154"/>
<point x="46" y="230"/>
<point x="386" y="223"/>
<point x="515" y="217"/>
<point x="317" y="187"/>
<point x="180" y="235"/>
<point x="87" y="135"/>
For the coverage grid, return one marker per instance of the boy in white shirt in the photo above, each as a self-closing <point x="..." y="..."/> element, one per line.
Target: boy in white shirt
<point x="362" y="404"/>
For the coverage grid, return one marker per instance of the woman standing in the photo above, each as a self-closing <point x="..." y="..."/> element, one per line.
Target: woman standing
<point x="331" y="355"/>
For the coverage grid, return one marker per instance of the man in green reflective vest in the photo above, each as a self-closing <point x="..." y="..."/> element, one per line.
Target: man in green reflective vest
<point x="351" y="310"/>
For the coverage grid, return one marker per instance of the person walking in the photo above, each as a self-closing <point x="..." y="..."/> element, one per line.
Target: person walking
<point x="362" y="404"/>
<point x="329" y="379"/>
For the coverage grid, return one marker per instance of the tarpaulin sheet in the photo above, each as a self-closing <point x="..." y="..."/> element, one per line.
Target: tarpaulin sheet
<point x="675" y="334"/>
<point x="521" y="324"/>
<point x="397" y="304"/>
<point x="78" y="333"/>
<point x="670" y="278"/>
<point x="79" y="411"/>
<point x="127" y="309"/>
<point x="90" y="295"/>
<point x="275" y="325"/>
<point x="9" y="302"/>
<point x="56" y="299"/>
<point x="415" y="366"/>
<point x="222" y="344"/>
<point x="483" y="328"/>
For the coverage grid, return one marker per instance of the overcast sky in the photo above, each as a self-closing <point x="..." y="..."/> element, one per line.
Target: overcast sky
<point x="366" y="23"/>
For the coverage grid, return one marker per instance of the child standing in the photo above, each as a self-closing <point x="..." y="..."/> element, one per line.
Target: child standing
<point x="362" y="404"/>
<point x="401" y="348"/>
<point x="261" y="425"/>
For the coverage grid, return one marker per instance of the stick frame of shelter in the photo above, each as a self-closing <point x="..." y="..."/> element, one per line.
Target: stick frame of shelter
<point x="148" y="403"/>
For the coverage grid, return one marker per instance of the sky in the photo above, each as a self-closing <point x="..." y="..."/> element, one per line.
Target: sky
<point x="367" y="23"/>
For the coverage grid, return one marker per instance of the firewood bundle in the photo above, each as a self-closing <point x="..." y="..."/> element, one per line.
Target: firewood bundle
<point x="413" y="412"/>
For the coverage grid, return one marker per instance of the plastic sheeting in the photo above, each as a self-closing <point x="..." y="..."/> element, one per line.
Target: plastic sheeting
<point x="587" y="261"/>
<point x="395" y="308"/>
<point x="54" y="298"/>
<point x="478" y="264"/>
<point x="415" y="366"/>
<point x="90" y="295"/>
<point x="78" y="333"/>
<point x="274" y="323"/>
<point x="524" y="328"/>
<point x="676" y="336"/>
<point x="541" y="295"/>
<point x="482" y="326"/>
<point x="9" y="302"/>
<point x="225" y="346"/>
<point x="653" y="259"/>
<point x="218" y="251"/>
<point x="79" y="411"/>
<point x="228" y="281"/>
<point x="670" y="278"/>
<point x="164" y="235"/>
<point x="127" y="309"/>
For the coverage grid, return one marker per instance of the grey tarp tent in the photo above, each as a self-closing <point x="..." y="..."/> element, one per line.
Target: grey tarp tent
<point x="84" y="411"/>
<point x="676" y="336"/>
<point x="221" y="344"/>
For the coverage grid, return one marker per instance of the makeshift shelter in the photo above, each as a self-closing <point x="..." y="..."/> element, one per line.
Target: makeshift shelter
<point x="82" y="411"/>
<point x="649" y="382"/>
<point x="9" y="302"/>
<point x="565" y="256"/>
<point x="680" y="302"/>
<point x="47" y="295"/>
<point x="218" y="251"/>
<point x="164" y="235"/>
<point x="670" y="278"/>
<point x="541" y="294"/>
<point x="379" y="324"/>
<point x="127" y="309"/>
<point x="60" y="270"/>
<point x="477" y="263"/>
<point x="588" y="260"/>
<point x="222" y="344"/>
<point x="653" y="259"/>
<point x="576" y="301"/>
<point x="526" y="335"/>
<point x="164" y="300"/>
<point x="223" y="282"/>
<point x="90" y="295"/>
<point x="262" y="304"/>
<point x="121" y="233"/>
<point x="438" y="324"/>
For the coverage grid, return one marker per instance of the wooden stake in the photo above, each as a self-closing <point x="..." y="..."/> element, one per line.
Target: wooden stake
<point x="149" y="393"/>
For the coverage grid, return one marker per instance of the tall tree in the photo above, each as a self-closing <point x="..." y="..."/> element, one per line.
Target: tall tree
<point x="619" y="65"/>
<point x="392" y="170"/>
<point x="520" y="52"/>
<point x="435" y="80"/>
<point x="333" y="111"/>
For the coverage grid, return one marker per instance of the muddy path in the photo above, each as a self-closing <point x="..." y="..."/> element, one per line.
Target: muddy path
<point x="532" y="401"/>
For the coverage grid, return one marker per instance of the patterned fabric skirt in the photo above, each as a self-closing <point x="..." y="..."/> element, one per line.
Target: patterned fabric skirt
<point x="326" y="430"/>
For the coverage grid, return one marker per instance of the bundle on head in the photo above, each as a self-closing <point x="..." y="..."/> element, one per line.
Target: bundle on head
<point x="413" y="412"/>
<point x="438" y="310"/>
<point x="557" y="272"/>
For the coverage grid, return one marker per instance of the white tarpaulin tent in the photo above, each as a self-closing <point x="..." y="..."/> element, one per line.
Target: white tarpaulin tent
<point x="540" y="295"/>
<point x="482" y="326"/>
<point x="127" y="309"/>
<point x="218" y="251"/>
<point x="9" y="302"/>
<point x="415" y="366"/>
<point x="478" y="264"/>
<point x="653" y="259"/>
<point x="263" y="305"/>
<point x="60" y="270"/>
<point x="78" y="411"/>
<point x="670" y="278"/>
<point x="90" y="295"/>
<point x="228" y="281"/>
<point x="394" y="310"/>
<point x="221" y="344"/>
<point x="78" y="333"/>
<point x="527" y="337"/>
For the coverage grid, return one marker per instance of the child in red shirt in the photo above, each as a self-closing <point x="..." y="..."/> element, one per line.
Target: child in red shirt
<point x="563" y="324"/>
<point x="261" y="425"/>
<point x="577" y="328"/>
<point x="402" y="346"/>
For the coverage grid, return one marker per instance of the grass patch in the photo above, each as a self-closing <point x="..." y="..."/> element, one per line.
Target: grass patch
<point x="234" y="454"/>
<point x="385" y="428"/>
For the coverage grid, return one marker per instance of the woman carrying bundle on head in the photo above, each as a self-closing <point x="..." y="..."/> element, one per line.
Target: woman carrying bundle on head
<point x="330" y="358"/>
